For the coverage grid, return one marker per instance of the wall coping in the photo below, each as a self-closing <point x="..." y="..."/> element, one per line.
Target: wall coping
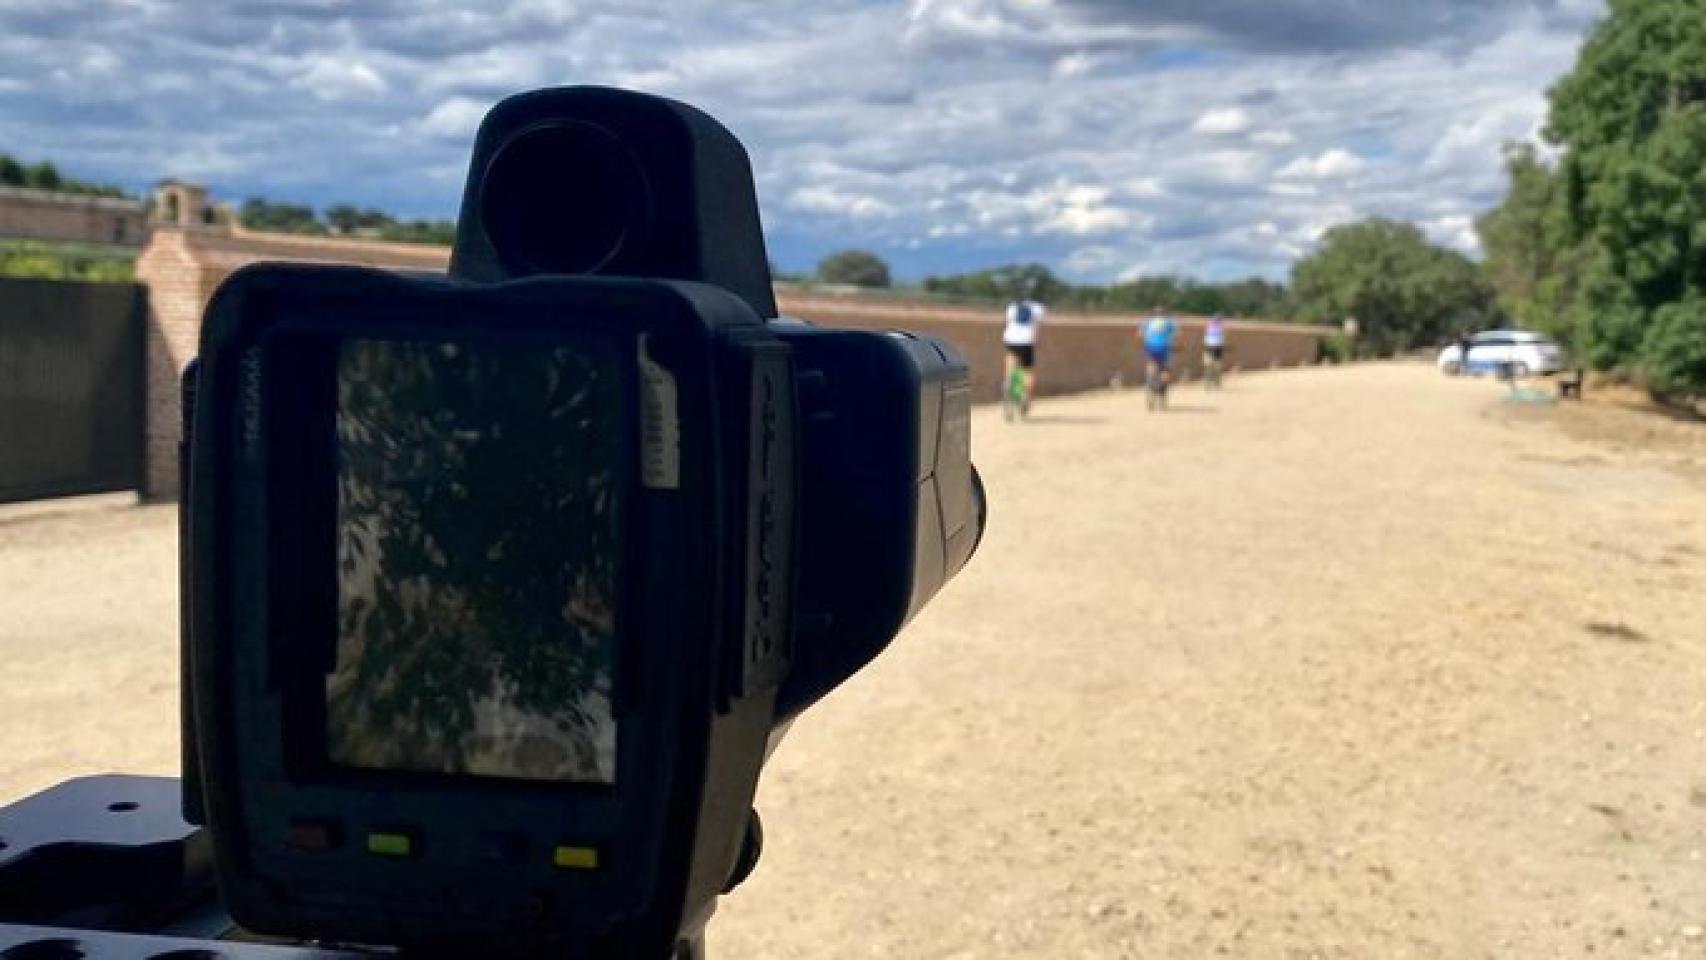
<point x="231" y="247"/>
<point x="72" y="199"/>
<point x="902" y="309"/>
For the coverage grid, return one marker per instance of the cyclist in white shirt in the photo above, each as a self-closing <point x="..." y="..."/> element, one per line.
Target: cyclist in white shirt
<point x="1024" y="316"/>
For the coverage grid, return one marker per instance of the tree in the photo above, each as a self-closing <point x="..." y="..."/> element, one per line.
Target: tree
<point x="1258" y="298"/>
<point x="1253" y="297"/>
<point x="1528" y="244"/>
<point x="1673" y="350"/>
<point x="439" y="232"/>
<point x="859" y="268"/>
<point x="1631" y="186"/>
<point x="1003" y="283"/>
<point x="477" y="547"/>
<point x="343" y="217"/>
<point x="1404" y="291"/>
<point x="1201" y="299"/>
<point x="1144" y="293"/>
<point x="43" y="176"/>
<point x="258" y="213"/>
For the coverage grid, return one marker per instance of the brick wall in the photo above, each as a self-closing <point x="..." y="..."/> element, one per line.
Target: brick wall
<point x="1075" y="352"/>
<point x="184" y="264"/>
<point x="64" y="217"/>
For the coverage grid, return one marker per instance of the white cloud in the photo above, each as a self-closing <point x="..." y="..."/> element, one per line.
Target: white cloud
<point x="1092" y="260"/>
<point x="1075" y="65"/>
<point x="332" y="77"/>
<point x="1031" y="24"/>
<point x="1083" y="221"/>
<point x="1094" y="135"/>
<point x="454" y="119"/>
<point x="1145" y="188"/>
<point x="1456" y="231"/>
<point x="1222" y="121"/>
<point x="1230" y="167"/>
<point x="1334" y="164"/>
<point x="826" y="199"/>
<point x="1475" y="141"/>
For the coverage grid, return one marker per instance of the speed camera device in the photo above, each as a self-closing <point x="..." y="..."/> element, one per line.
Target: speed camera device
<point x="501" y="584"/>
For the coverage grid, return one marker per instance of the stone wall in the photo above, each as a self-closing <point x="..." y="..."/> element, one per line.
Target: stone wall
<point x="185" y="262"/>
<point x="27" y="214"/>
<point x="182" y="266"/>
<point x="1075" y="352"/>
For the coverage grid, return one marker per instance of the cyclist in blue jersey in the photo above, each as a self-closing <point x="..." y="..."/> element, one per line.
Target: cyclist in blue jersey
<point x="1158" y="333"/>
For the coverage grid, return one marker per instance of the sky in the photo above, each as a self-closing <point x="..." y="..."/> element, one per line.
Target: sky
<point x="1108" y="139"/>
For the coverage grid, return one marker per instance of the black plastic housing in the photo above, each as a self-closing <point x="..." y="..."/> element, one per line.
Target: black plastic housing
<point x="825" y="493"/>
<point x="704" y="647"/>
<point x="591" y="180"/>
<point x="890" y="505"/>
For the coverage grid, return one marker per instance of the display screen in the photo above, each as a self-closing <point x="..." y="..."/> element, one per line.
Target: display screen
<point x="478" y="540"/>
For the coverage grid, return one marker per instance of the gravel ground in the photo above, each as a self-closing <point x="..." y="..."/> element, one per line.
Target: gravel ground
<point x="1336" y="663"/>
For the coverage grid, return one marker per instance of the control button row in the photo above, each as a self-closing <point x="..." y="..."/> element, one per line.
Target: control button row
<point x="325" y="836"/>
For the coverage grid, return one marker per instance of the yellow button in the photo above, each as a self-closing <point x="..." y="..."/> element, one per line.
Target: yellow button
<point x="576" y="858"/>
<point x="390" y="844"/>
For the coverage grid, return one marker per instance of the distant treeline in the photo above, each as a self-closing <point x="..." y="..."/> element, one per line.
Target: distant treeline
<point x="342" y="219"/>
<point x="1254" y="297"/>
<point x="45" y="176"/>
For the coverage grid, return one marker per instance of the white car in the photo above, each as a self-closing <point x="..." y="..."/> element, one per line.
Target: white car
<point x="1526" y="351"/>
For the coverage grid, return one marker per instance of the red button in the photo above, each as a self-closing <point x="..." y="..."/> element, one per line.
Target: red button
<point x="313" y="836"/>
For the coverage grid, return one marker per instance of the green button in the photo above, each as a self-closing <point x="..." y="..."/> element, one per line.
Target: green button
<point x="391" y="844"/>
<point x="575" y="858"/>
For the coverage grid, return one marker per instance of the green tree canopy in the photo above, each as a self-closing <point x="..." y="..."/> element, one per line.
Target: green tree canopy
<point x="46" y="176"/>
<point x="860" y="268"/>
<point x="43" y="176"/>
<point x="1532" y="260"/>
<point x="1007" y="282"/>
<point x="1403" y="290"/>
<point x="1253" y="297"/>
<point x="258" y="213"/>
<point x="1609" y="249"/>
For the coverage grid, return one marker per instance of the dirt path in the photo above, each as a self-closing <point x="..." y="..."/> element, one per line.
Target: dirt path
<point x="1342" y="663"/>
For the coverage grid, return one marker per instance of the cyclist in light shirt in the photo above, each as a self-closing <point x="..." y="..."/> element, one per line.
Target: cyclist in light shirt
<point x="1214" y="340"/>
<point x="1024" y="316"/>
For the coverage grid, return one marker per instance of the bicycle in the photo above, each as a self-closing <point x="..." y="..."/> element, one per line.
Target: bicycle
<point x="1015" y="399"/>
<point x="1213" y="368"/>
<point x="1155" y="383"/>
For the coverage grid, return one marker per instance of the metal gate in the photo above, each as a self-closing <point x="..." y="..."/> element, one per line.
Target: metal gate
<point x="71" y="388"/>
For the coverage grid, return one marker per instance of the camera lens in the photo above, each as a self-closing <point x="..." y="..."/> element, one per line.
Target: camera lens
<point x="563" y="198"/>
